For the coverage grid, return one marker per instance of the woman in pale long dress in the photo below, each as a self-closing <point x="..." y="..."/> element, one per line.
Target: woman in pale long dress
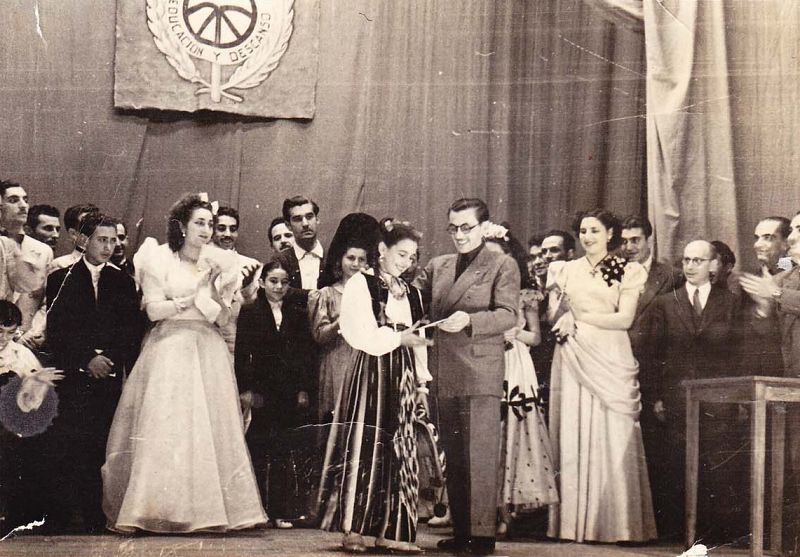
<point x="176" y="459"/>
<point x="527" y="475"/>
<point x="595" y="400"/>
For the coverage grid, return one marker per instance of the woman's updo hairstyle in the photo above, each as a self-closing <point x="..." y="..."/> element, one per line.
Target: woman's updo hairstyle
<point x="355" y="230"/>
<point x="179" y="214"/>
<point x="607" y="218"/>
<point x="395" y="232"/>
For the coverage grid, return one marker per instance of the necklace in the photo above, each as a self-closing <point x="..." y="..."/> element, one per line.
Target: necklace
<point x="594" y="267"/>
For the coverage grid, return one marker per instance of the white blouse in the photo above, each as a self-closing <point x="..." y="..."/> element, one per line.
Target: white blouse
<point x="361" y="331"/>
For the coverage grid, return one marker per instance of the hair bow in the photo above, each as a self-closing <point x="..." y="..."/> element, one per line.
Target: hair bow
<point x="214" y="204"/>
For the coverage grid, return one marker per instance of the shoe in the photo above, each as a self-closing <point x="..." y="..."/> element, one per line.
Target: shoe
<point x="394" y="546"/>
<point x="353" y="543"/>
<point x="480" y="545"/>
<point x="453" y="545"/>
<point x="441" y="521"/>
<point x="282" y="524"/>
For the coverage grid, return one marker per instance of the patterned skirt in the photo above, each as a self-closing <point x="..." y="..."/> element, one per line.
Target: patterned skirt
<point x="370" y="478"/>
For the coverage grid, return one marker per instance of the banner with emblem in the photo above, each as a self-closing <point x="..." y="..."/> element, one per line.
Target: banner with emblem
<point x="252" y="57"/>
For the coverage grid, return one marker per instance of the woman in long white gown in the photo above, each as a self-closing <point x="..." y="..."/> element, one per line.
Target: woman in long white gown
<point x="176" y="459"/>
<point x="594" y="396"/>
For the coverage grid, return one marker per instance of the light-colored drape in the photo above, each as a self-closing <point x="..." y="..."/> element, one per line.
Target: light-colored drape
<point x="690" y="179"/>
<point x="722" y="115"/>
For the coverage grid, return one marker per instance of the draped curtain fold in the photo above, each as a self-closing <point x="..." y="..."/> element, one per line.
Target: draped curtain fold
<point x="722" y="111"/>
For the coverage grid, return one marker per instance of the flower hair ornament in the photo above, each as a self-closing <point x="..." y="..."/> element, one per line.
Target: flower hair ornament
<point x="492" y="231"/>
<point x="214" y="204"/>
<point x="389" y="224"/>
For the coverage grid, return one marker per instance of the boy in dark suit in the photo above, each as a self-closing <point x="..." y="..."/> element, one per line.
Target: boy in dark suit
<point x="275" y="371"/>
<point x="94" y="333"/>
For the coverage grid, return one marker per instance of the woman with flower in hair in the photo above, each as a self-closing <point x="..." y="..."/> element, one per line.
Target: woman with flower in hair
<point x="526" y="477"/>
<point x="594" y="397"/>
<point x="370" y="483"/>
<point x="176" y="459"/>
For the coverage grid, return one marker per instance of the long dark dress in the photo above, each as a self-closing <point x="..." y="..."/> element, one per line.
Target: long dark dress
<point x="370" y="478"/>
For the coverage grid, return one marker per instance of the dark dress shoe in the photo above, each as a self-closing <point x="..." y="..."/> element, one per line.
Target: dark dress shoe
<point x="453" y="545"/>
<point x="480" y="545"/>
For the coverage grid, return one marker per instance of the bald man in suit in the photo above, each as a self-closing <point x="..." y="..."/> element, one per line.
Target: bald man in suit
<point x="478" y="292"/>
<point x="694" y="328"/>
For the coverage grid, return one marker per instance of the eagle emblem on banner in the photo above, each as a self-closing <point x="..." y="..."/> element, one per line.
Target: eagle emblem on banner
<point x="222" y="45"/>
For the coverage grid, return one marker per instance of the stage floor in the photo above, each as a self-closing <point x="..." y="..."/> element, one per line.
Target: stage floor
<point x="296" y="542"/>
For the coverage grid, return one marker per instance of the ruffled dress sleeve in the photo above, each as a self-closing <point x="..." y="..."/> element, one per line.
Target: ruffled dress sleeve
<point x="322" y="314"/>
<point x="634" y="278"/>
<point x="357" y="321"/>
<point x="152" y="261"/>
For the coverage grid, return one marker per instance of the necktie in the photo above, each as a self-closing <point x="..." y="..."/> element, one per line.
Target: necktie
<point x="698" y="307"/>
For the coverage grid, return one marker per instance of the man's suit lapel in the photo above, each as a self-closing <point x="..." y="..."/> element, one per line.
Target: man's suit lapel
<point x="267" y="325"/>
<point x="685" y="310"/>
<point x="82" y="282"/>
<point x="655" y="281"/>
<point x="792" y="281"/>
<point x="713" y="307"/>
<point x="105" y="288"/>
<point x="473" y="273"/>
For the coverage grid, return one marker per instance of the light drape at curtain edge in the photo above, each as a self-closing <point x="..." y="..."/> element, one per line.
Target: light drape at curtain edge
<point x="679" y="36"/>
<point x="690" y="176"/>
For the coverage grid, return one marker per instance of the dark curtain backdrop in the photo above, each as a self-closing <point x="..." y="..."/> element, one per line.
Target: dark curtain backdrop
<point x="536" y="106"/>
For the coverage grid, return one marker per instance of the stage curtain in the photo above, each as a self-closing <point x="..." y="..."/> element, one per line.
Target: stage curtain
<point x="575" y="122"/>
<point x="538" y="107"/>
<point x="763" y="50"/>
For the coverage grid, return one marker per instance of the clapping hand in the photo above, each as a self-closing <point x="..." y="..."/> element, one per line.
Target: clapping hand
<point x="758" y="286"/>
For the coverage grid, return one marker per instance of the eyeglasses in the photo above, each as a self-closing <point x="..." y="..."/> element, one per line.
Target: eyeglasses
<point x="452" y="229"/>
<point x="693" y="260"/>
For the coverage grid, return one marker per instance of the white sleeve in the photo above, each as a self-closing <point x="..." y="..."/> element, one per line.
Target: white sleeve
<point x="421" y="363"/>
<point x="357" y="322"/>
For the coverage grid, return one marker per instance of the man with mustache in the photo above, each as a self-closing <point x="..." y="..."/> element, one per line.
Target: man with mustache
<point x="120" y="255"/>
<point x="226" y="236"/>
<point x="43" y="224"/>
<point x="36" y="257"/>
<point x="280" y="237"/>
